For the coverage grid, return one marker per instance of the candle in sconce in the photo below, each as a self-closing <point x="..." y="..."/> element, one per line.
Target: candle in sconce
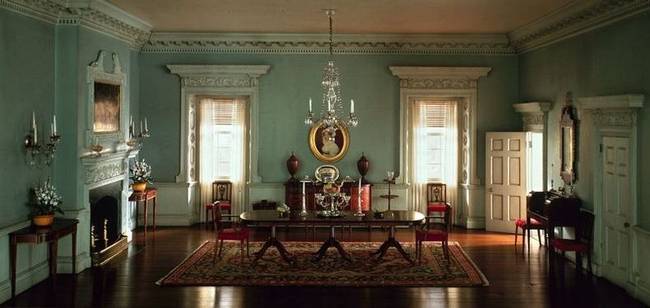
<point x="34" y="128"/>
<point x="54" y="132"/>
<point x="310" y="104"/>
<point x="146" y="126"/>
<point x="351" y="106"/>
<point x="141" y="131"/>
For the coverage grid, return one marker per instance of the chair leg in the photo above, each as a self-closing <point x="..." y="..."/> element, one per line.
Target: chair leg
<point x="589" y="262"/>
<point x="516" y="231"/>
<point x="220" y="247"/>
<point x="524" y="231"/>
<point x="539" y="237"/>
<point x="247" y="247"/>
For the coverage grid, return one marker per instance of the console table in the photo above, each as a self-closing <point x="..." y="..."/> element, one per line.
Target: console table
<point x="36" y="235"/>
<point x="143" y="197"/>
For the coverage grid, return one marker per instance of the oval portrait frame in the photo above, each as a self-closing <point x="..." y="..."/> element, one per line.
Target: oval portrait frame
<point x="343" y="142"/>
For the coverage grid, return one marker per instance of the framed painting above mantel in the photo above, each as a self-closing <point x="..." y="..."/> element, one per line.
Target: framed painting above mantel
<point x="107" y="111"/>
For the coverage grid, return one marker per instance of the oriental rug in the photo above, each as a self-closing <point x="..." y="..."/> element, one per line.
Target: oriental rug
<point x="202" y="269"/>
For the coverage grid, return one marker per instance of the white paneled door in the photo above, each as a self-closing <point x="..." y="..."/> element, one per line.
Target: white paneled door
<point x="616" y="208"/>
<point x="506" y="166"/>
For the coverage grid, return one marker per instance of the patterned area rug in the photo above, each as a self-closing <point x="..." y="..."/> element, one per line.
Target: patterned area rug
<point x="199" y="269"/>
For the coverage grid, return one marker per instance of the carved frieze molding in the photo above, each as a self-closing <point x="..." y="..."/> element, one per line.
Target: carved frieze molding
<point x="421" y="83"/>
<point x="575" y="18"/>
<point x="100" y="172"/>
<point x="616" y="111"/>
<point x="533" y="114"/>
<point x="428" y="77"/>
<point x="97" y="15"/>
<point x="468" y="44"/>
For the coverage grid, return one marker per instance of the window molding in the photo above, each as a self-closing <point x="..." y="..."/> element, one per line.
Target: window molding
<point x="216" y="80"/>
<point x="454" y="83"/>
<point x="534" y="116"/>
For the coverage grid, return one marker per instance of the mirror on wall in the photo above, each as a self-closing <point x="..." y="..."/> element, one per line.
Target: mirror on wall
<point x="568" y="127"/>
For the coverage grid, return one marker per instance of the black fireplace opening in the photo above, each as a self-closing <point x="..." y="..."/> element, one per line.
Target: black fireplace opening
<point x="105" y="216"/>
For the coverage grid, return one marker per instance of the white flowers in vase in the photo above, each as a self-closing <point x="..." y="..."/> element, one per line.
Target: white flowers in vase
<point x="140" y="172"/>
<point x="47" y="200"/>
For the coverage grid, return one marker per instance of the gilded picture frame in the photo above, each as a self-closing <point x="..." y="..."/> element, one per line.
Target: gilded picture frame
<point x="327" y="144"/>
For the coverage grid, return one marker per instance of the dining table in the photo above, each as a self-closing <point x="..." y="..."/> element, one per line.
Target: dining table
<point x="390" y="219"/>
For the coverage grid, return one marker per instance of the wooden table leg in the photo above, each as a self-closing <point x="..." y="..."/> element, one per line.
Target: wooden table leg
<point x="154" y="214"/>
<point x="331" y="242"/>
<point x="12" y="264"/>
<point x="273" y="241"/>
<point x="54" y="245"/>
<point x="145" y="220"/>
<point x="392" y="242"/>
<point x="74" y="251"/>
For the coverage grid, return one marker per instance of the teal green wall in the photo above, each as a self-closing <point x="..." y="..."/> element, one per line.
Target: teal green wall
<point x="284" y="93"/>
<point x="26" y="85"/>
<point x="608" y="61"/>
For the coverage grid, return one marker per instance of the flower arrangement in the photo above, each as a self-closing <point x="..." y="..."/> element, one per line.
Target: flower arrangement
<point x="47" y="200"/>
<point x="140" y="172"/>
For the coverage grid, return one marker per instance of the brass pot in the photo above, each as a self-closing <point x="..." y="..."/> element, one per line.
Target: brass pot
<point x="43" y="220"/>
<point x="139" y="187"/>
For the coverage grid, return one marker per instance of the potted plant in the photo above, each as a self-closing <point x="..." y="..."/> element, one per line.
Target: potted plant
<point x="46" y="202"/>
<point x="140" y="175"/>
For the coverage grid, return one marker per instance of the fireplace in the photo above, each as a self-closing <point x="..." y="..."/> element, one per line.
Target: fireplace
<point x="106" y="240"/>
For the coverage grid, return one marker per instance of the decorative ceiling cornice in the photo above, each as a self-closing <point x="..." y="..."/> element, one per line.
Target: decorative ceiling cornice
<point x="571" y="20"/>
<point x="97" y="15"/>
<point x="469" y="44"/>
<point x="576" y="18"/>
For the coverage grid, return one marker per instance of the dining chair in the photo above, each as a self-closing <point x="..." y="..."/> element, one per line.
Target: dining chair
<point x="221" y="194"/>
<point x="533" y="198"/>
<point x="437" y="200"/>
<point x="434" y="229"/>
<point x="583" y="224"/>
<point x="236" y="232"/>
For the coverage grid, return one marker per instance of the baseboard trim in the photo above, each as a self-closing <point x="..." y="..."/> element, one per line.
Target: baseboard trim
<point x="167" y="220"/>
<point x="475" y="223"/>
<point x="64" y="263"/>
<point x="24" y="280"/>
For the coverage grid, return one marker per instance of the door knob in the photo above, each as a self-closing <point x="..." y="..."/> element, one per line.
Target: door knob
<point x="627" y="224"/>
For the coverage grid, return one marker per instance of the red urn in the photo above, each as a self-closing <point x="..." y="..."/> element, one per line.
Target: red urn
<point x="293" y="164"/>
<point x="363" y="165"/>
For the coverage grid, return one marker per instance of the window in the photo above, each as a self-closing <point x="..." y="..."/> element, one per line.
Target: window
<point x="436" y="141"/>
<point x="221" y="143"/>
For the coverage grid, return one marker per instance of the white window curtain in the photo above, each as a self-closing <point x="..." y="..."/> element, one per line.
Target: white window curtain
<point x="435" y="149"/>
<point x="222" y="140"/>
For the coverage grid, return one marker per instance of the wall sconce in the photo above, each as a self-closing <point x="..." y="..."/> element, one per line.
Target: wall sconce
<point x="37" y="153"/>
<point x="136" y="139"/>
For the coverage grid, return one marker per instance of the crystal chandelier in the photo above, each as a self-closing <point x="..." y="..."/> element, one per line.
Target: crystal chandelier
<point x="332" y="104"/>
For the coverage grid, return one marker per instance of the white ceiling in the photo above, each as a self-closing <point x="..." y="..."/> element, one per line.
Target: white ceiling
<point x="352" y="16"/>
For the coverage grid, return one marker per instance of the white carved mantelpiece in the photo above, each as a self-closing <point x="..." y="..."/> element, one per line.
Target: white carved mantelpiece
<point x="456" y="83"/>
<point x="534" y="115"/>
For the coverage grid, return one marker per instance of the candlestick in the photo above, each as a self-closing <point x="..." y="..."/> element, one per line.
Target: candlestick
<point x="34" y="128"/>
<point x="351" y="106"/>
<point x="303" y="208"/>
<point x="146" y="127"/>
<point x="54" y="126"/>
<point x="359" y="205"/>
<point x="141" y="131"/>
<point x="310" y="104"/>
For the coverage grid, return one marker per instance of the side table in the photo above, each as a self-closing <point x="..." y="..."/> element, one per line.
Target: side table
<point x="143" y="197"/>
<point x="36" y="235"/>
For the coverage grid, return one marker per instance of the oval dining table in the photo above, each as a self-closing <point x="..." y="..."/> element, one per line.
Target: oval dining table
<point x="390" y="219"/>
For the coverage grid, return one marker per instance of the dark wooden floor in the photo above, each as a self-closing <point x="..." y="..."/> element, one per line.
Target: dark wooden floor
<point x="515" y="280"/>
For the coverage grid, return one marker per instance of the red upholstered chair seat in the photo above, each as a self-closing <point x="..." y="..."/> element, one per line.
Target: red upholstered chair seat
<point x="433" y="235"/>
<point x="225" y="205"/>
<point x="534" y="224"/>
<point x="233" y="234"/>
<point x="570" y="245"/>
<point x="438" y="207"/>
